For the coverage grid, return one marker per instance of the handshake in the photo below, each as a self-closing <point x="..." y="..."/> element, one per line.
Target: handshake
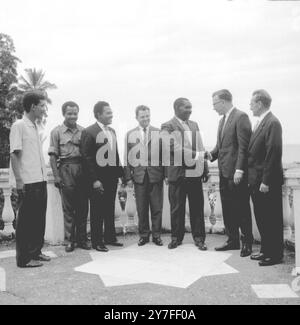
<point x="207" y="155"/>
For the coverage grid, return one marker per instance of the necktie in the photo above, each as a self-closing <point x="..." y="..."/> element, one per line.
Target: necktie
<point x="145" y="136"/>
<point x="108" y="135"/>
<point x="222" y="127"/>
<point x="188" y="131"/>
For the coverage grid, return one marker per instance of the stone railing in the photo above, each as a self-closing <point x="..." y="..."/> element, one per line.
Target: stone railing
<point x="126" y="216"/>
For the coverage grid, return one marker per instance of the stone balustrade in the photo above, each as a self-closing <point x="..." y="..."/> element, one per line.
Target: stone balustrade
<point x="126" y="215"/>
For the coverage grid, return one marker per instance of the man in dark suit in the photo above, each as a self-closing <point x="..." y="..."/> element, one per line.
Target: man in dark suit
<point x="103" y="169"/>
<point x="266" y="179"/>
<point x="147" y="173"/>
<point x="234" y="133"/>
<point x="183" y="153"/>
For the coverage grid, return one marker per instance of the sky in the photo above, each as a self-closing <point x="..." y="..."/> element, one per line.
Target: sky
<point x="151" y="52"/>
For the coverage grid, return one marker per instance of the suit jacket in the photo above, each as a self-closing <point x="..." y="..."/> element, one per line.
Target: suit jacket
<point x="265" y="153"/>
<point x="231" y="148"/>
<point x="90" y="146"/>
<point x="137" y="173"/>
<point x="187" y="149"/>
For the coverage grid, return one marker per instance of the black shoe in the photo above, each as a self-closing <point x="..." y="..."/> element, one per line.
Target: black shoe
<point x="32" y="263"/>
<point x="246" y="250"/>
<point x="227" y="247"/>
<point x="202" y="246"/>
<point x="42" y="257"/>
<point x="257" y="257"/>
<point x="174" y="244"/>
<point x="101" y="248"/>
<point x="85" y="246"/>
<point x="157" y="241"/>
<point x="70" y="248"/>
<point x="143" y="241"/>
<point x="268" y="261"/>
<point x="115" y="243"/>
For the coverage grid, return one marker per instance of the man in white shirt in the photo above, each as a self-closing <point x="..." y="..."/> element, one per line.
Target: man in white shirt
<point x="31" y="181"/>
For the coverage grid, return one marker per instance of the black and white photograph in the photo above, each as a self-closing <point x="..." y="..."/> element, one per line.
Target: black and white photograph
<point x="149" y="155"/>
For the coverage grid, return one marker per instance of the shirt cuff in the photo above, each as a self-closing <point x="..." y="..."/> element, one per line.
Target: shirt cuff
<point x="52" y="151"/>
<point x="240" y="171"/>
<point x="199" y="155"/>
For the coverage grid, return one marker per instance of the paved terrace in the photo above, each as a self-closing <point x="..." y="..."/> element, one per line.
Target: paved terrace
<point x="148" y="275"/>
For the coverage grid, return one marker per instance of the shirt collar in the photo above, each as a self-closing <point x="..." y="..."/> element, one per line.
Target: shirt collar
<point x="102" y="126"/>
<point x="28" y="121"/>
<point x="229" y="112"/>
<point x="181" y="121"/>
<point x="263" y="115"/>
<point x="65" y="128"/>
<point x="142" y="129"/>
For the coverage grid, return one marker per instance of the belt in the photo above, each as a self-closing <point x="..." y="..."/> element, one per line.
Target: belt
<point x="73" y="160"/>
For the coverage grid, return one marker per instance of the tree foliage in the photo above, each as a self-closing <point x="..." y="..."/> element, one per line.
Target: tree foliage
<point x="8" y="93"/>
<point x="34" y="80"/>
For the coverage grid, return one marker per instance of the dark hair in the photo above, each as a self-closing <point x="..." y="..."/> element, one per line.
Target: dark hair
<point x="178" y="102"/>
<point x="262" y="96"/>
<point x="223" y="94"/>
<point x="98" y="108"/>
<point x="141" y="108"/>
<point x="32" y="98"/>
<point x="66" y="104"/>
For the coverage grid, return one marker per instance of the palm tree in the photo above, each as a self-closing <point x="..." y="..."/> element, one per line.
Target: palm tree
<point x="35" y="81"/>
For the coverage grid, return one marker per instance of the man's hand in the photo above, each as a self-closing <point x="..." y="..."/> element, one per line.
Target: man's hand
<point x="19" y="185"/>
<point x="264" y="188"/>
<point x="130" y="183"/>
<point x="237" y="178"/>
<point x="207" y="155"/>
<point x="205" y="177"/>
<point x="58" y="182"/>
<point x="20" y="188"/>
<point x="98" y="187"/>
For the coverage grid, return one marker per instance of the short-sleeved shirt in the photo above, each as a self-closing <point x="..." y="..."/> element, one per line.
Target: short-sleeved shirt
<point x="65" y="142"/>
<point x="24" y="137"/>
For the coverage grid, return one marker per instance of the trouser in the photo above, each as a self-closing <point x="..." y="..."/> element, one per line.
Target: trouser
<point x="103" y="213"/>
<point x="236" y="210"/>
<point x="269" y="219"/>
<point x="31" y="222"/>
<point x="74" y="202"/>
<point x="149" y="195"/>
<point x="190" y="187"/>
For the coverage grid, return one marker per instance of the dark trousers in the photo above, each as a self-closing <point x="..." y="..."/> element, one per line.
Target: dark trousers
<point x="236" y="210"/>
<point x="190" y="187"/>
<point x="31" y="222"/>
<point x="269" y="219"/>
<point x="149" y="195"/>
<point x="103" y="213"/>
<point x="74" y="202"/>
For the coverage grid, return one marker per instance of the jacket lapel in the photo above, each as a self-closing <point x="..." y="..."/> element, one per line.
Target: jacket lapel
<point x="259" y="129"/>
<point x="228" y="122"/>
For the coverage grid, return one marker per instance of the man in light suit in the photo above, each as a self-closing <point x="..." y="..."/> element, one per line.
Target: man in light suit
<point x="234" y="133"/>
<point x="185" y="172"/>
<point x="102" y="166"/>
<point x="146" y="174"/>
<point x="266" y="179"/>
